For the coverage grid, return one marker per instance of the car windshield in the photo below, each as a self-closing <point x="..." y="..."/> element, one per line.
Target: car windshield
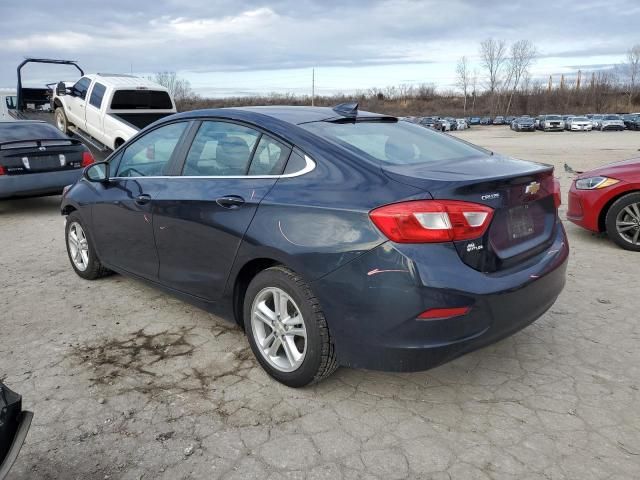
<point x="394" y="143"/>
<point x="580" y="119"/>
<point x="553" y="117"/>
<point x="612" y="117"/>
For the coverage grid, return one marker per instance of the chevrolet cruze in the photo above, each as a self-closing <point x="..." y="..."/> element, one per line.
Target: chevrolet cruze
<point x="333" y="237"/>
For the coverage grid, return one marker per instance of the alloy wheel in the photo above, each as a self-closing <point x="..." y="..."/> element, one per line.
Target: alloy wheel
<point x="60" y="122"/>
<point x="78" y="246"/>
<point x="628" y="223"/>
<point x="279" y="329"/>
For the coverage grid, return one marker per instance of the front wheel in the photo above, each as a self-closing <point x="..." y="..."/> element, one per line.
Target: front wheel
<point x="286" y="328"/>
<point x="80" y="249"/>
<point x="623" y="222"/>
<point x="61" y="120"/>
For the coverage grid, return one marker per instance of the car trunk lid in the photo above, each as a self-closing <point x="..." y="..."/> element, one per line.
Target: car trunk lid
<point x="521" y="194"/>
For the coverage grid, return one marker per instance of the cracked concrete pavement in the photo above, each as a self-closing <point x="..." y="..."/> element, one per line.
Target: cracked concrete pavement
<point x="129" y="383"/>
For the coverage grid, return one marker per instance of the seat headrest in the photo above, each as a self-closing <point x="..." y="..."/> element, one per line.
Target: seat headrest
<point x="400" y="152"/>
<point x="233" y="152"/>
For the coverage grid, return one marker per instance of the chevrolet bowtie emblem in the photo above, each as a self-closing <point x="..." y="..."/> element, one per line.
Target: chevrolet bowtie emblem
<point x="532" y="188"/>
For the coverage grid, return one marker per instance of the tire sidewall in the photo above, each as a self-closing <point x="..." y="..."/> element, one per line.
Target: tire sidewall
<point x="281" y="278"/>
<point x="60" y="114"/>
<point x="610" y="220"/>
<point x="93" y="266"/>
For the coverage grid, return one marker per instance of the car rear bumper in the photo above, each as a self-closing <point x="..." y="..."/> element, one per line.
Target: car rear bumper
<point x="578" y="128"/>
<point x="35" y="184"/>
<point x="372" y="303"/>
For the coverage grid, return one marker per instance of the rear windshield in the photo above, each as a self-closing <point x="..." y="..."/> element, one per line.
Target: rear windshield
<point x="612" y="117"/>
<point x="394" y="143"/>
<point x="141" y="99"/>
<point x="580" y="119"/>
<point x="553" y="117"/>
<point x="12" y="131"/>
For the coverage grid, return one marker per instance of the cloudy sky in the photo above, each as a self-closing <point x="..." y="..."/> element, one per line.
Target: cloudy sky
<point x="237" y="47"/>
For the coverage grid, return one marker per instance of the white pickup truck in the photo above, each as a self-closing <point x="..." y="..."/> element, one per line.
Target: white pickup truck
<point x="108" y="109"/>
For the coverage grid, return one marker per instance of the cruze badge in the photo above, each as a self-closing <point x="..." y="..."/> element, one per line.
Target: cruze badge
<point x="490" y="196"/>
<point x="532" y="188"/>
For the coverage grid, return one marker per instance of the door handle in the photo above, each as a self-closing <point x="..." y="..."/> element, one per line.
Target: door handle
<point x="143" y="199"/>
<point x="230" y="201"/>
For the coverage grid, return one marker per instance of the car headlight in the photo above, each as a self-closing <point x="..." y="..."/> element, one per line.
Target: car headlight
<point x="593" y="183"/>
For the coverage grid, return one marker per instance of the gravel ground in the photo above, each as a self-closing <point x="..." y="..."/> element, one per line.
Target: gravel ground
<point x="129" y="383"/>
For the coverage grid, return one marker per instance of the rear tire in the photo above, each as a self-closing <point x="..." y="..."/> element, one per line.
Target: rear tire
<point x="61" y="121"/>
<point x="299" y="311"/>
<point x="623" y="222"/>
<point x="80" y="249"/>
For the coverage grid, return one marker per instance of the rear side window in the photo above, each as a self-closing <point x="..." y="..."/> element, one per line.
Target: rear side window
<point x="270" y="157"/>
<point x="11" y="101"/>
<point x="81" y="86"/>
<point x="394" y="143"/>
<point x="221" y="149"/>
<point x="296" y="163"/>
<point x="97" y="94"/>
<point x="150" y="154"/>
<point x="141" y="100"/>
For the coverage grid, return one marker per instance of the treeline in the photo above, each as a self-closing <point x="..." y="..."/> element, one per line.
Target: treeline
<point x="598" y="94"/>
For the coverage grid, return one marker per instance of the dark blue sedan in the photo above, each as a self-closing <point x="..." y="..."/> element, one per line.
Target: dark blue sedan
<point x="332" y="236"/>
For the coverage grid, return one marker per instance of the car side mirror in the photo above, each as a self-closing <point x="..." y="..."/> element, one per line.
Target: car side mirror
<point x="61" y="89"/>
<point x="97" y="172"/>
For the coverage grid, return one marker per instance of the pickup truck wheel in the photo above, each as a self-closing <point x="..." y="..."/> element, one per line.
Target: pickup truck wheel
<point x="61" y="121"/>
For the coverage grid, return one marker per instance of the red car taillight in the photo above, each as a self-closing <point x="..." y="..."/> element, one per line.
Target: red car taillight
<point x="2" y="172"/>
<point x="432" y="221"/>
<point x="87" y="159"/>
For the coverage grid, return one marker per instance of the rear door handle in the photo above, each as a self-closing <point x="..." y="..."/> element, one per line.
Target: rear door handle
<point x="143" y="199"/>
<point x="230" y="201"/>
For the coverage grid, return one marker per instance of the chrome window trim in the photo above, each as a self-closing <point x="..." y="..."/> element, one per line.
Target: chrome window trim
<point x="309" y="167"/>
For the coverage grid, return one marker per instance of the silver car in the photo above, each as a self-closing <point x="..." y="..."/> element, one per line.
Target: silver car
<point x="611" y="122"/>
<point x="579" y="124"/>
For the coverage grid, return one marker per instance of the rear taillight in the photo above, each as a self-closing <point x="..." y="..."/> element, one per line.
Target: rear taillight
<point x="557" y="196"/>
<point x="87" y="159"/>
<point x="432" y="221"/>
<point x="2" y="170"/>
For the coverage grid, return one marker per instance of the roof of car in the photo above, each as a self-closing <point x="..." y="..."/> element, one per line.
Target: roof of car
<point x="290" y="114"/>
<point x="117" y="80"/>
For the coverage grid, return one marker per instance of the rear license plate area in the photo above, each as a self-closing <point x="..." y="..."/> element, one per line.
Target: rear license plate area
<point x="520" y="222"/>
<point x="42" y="163"/>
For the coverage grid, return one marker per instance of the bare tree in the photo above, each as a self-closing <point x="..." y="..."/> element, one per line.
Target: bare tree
<point x="493" y="54"/>
<point x="523" y="54"/>
<point x="474" y="90"/>
<point x="631" y="70"/>
<point x="463" y="79"/>
<point x="179" y="88"/>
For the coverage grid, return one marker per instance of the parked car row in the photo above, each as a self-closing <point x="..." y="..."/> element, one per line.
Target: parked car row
<point x="577" y="123"/>
<point x="443" y="124"/>
<point x="547" y="123"/>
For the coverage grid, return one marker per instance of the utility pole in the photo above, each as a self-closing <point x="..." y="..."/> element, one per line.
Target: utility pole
<point x="313" y="86"/>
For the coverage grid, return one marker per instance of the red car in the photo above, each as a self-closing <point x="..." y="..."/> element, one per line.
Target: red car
<point x="607" y="199"/>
